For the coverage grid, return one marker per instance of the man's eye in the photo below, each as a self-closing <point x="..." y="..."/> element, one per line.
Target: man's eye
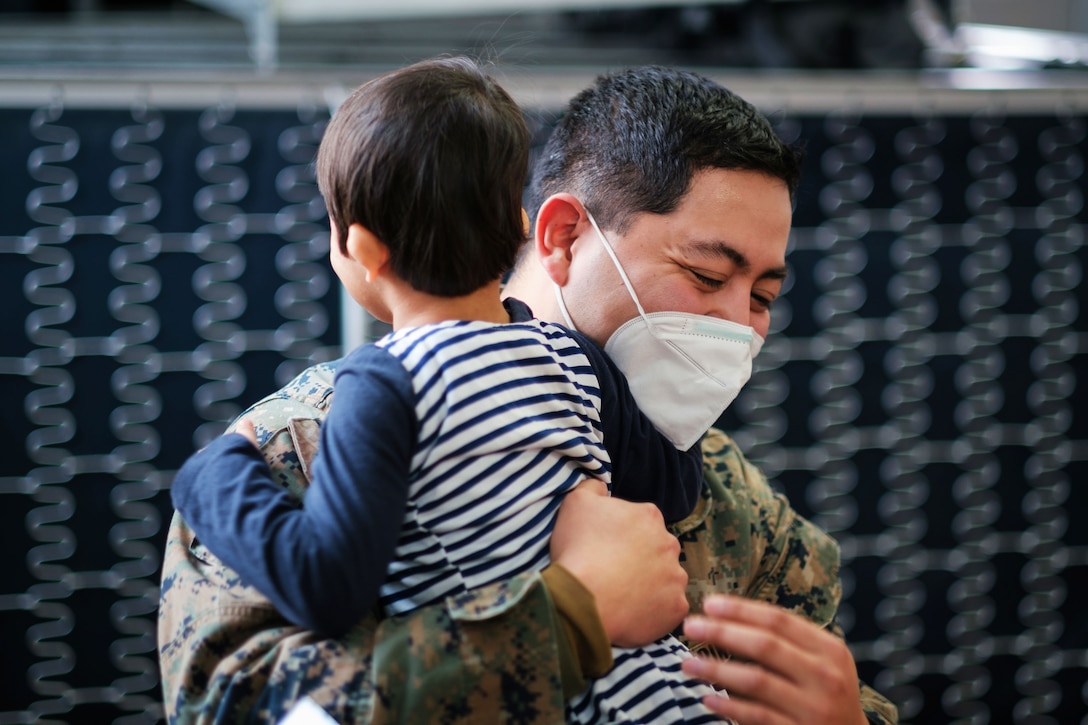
<point x="707" y="281"/>
<point x="763" y="302"/>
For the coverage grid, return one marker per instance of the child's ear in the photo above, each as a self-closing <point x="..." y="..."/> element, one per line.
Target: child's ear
<point x="369" y="251"/>
<point x="559" y="223"/>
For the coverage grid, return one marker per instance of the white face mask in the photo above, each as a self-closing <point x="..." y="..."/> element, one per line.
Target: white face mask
<point x="684" y="370"/>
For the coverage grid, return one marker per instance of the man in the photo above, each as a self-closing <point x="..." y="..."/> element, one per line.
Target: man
<point x="691" y="192"/>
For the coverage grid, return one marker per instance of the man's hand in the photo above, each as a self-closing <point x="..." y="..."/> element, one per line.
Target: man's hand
<point x="623" y="554"/>
<point x="785" y="669"/>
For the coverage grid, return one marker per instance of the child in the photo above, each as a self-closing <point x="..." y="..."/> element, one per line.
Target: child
<point x="453" y="439"/>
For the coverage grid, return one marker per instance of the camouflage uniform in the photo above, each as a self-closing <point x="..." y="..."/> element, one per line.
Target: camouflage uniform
<point x="495" y="654"/>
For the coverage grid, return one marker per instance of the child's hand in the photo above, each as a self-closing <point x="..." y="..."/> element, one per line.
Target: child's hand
<point x="245" y="428"/>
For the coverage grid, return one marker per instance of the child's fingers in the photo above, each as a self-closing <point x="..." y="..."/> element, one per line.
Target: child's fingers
<point x="245" y="427"/>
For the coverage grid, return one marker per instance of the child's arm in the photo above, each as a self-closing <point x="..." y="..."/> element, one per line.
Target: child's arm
<point x="321" y="565"/>
<point x="646" y="466"/>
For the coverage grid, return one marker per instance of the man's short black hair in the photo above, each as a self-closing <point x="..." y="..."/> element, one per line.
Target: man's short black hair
<point x="432" y="159"/>
<point x="632" y="141"/>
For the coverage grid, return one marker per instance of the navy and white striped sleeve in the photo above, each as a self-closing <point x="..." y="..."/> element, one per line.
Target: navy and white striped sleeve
<point x="646" y="466"/>
<point x="321" y="565"/>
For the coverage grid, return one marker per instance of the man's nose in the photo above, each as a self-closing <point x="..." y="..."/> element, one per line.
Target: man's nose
<point x="733" y="304"/>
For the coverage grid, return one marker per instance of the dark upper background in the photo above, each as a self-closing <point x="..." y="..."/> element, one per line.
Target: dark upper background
<point x="863" y="34"/>
<point x="814" y="34"/>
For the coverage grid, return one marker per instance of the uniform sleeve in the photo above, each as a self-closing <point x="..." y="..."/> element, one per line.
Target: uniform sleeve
<point x="646" y="466"/>
<point x="745" y="539"/>
<point x="321" y="565"/>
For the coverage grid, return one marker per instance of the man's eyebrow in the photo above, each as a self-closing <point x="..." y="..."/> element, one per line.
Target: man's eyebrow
<point x="719" y="249"/>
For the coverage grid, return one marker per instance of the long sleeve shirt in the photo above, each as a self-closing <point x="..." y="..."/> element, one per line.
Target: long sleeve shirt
<point x="441" y="468"/>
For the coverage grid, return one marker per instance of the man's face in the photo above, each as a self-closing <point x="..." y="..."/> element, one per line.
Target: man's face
<point x="721" y="253"/>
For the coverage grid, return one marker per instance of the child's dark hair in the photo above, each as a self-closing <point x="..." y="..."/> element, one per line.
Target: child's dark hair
<point x="431" y="158"/>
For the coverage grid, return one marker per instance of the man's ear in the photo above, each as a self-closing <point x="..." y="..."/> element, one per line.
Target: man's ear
<point x="559" y="222"/>
<point x="368" y="251"/>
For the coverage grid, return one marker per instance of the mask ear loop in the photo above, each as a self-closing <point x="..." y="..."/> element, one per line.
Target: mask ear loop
<point x="623" y="275"/>
<point x="563" y="306"/>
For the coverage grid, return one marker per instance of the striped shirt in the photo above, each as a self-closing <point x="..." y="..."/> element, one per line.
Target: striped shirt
<point x="508" y="420"/>
<point x="441" y="468"/>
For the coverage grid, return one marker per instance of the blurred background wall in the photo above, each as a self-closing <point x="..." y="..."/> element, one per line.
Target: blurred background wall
<point x="163" y="264"/>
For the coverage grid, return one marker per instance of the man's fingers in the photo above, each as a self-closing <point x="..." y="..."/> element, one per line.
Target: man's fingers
<point x="745" y="683"/>
<point x="783" y="624"/>
<point x="737" y="710"/>
<point x="761" y="689"/>
<point x="774" y="653"/>
<point x="741" y="679"/>
<point x="784" y="666"/>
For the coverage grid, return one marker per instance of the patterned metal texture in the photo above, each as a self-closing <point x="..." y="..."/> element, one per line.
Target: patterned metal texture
<point x="923" y="398"/>
<point x="161" y="268"/>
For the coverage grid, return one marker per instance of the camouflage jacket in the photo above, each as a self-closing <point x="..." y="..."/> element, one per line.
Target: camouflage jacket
<point x="492" y="654"/>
